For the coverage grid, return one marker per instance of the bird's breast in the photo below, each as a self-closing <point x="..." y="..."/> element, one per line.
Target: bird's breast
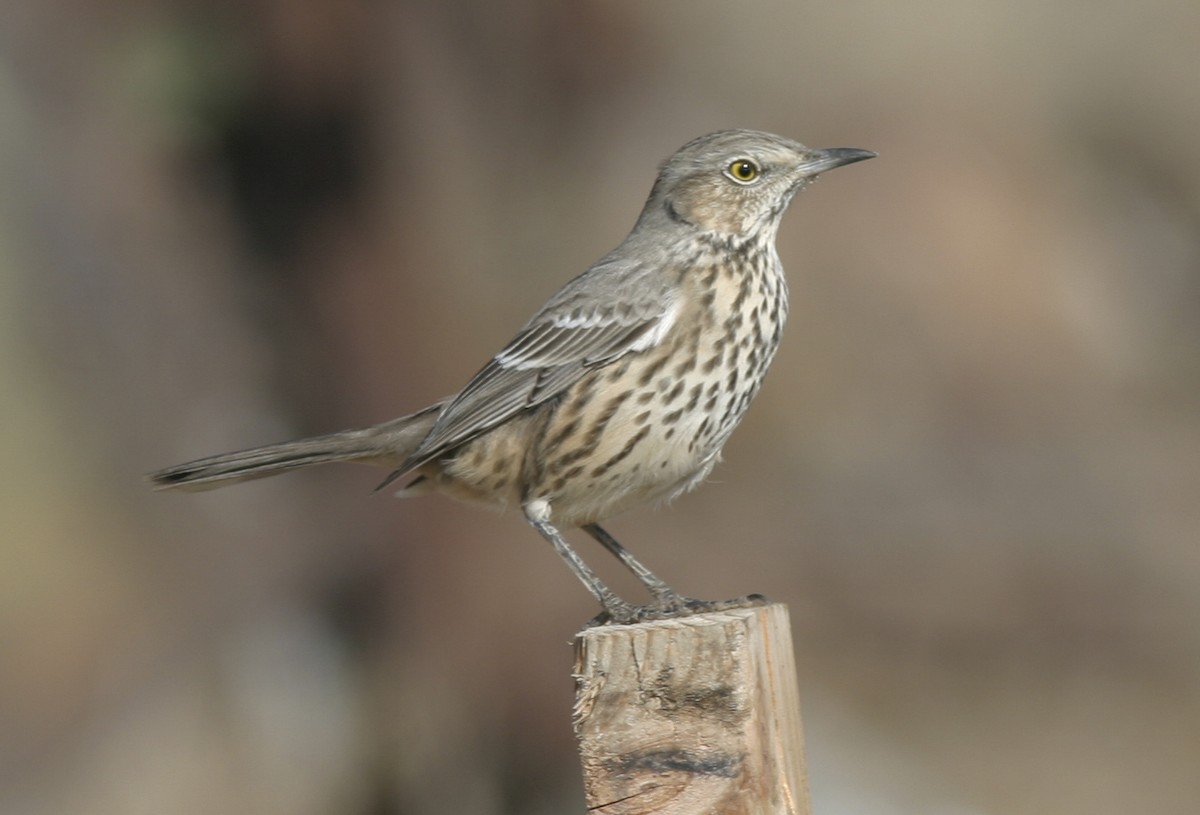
<point x="652" y="424"/>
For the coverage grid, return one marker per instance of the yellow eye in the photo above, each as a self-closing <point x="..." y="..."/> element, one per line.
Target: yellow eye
<point x="743" y="170"/>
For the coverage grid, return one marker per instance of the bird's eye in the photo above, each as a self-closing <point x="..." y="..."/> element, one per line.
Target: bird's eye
<point x="743" y="171"/>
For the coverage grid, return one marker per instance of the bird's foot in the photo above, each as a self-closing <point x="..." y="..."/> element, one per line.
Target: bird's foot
<point x="617" y="612"/>
<point x="676" y="605"/>
<point x="670" y="606"/>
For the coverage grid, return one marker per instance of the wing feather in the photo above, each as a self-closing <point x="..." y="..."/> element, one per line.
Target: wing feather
<point x="570" y="336"/>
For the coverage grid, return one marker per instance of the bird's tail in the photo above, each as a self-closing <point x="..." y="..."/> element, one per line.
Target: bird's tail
<point x="387" y="444"/>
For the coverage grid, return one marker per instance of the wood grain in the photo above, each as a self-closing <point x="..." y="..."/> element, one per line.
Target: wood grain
<point x="691" y="715"/>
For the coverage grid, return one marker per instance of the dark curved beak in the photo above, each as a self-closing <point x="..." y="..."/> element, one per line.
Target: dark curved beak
<point x="818" y="161"/>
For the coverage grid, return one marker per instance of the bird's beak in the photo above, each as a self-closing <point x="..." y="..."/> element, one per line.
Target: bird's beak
<point x="818" y="161"/>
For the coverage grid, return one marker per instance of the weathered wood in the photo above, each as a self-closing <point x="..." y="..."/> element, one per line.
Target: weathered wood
<point x="692" y="715"/>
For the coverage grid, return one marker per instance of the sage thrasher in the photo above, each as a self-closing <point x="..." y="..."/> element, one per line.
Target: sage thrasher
<point x="624" y="386"/>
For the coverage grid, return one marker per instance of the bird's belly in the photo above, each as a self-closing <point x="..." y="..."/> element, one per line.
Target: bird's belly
<point x="488" y="470"/>
<point x="652" y="434"/>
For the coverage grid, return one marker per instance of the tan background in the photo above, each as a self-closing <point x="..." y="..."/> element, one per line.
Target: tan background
<point x="974" y="474"/>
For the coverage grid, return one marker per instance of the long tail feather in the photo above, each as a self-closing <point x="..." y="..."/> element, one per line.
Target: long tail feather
<point x="386" y="444"/>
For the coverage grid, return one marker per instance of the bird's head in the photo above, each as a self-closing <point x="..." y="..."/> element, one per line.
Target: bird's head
<point x="737" y="183"/>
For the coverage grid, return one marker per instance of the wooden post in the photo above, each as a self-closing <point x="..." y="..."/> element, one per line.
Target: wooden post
<point x="691" y="715"/>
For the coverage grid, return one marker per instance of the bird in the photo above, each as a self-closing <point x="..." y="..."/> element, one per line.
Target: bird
<point x="622" y="388"/>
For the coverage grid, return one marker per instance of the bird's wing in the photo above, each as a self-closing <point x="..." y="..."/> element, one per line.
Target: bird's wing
<point x="576" y="331"/>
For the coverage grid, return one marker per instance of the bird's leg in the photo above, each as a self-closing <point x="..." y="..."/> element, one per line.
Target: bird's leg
<point x="665" y="597"/>
<point x="667" y="601"/>
<point x="615" y="609"/>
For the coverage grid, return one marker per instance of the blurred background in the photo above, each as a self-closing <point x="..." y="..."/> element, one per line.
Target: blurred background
<point x="974" y="474"/>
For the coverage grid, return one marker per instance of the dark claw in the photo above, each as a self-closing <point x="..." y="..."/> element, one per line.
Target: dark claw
<point x="617" y="613"/>
<point x="671" y="608"/>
